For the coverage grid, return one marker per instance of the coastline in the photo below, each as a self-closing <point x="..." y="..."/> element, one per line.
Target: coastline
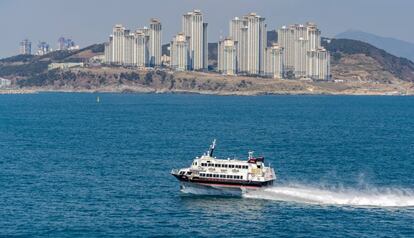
<point x="144" y="90"/>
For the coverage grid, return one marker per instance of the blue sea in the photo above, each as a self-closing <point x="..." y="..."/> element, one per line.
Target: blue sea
<point x="72" y="167"/>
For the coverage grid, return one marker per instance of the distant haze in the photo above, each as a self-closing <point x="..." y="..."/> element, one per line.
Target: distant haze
<point x="391" y="45"/>
<point x="91" y="21"/>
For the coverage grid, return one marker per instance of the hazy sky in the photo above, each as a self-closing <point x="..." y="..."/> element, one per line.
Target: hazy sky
<point x="90" y="21"/>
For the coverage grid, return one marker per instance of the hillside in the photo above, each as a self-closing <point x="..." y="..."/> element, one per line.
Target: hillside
<point x="350" y="57"/>
<point x="357" y="67"/>
<point x="394" y="46"/>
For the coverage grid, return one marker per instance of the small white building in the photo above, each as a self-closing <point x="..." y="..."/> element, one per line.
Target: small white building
<point x="4" y="83"/>
<point x="64" y="65"/>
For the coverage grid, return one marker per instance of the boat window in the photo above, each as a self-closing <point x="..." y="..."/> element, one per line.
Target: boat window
<point x="210" y="165"/>
<point x="241" y="177"/>
<point x="258" y="166"/>
<point x="208" y="175"/>
<point x="245" y="167"/>
<point x="216" y="165"/>
<point x="195" y="163"/>
<point x="238" y="166"/>
<point x="224" y="165"/>
<point x="222" y="176"/>
<point x="219" y="165"/>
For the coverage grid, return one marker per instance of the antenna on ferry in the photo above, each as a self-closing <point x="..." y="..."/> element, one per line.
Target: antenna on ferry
<point x="212" y="147"/>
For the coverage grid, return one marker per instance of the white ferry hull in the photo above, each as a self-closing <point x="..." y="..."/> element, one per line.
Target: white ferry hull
<point x="212" y="190"/>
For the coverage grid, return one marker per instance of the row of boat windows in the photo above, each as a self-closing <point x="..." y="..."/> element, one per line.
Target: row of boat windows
<point x="231" y="166"/>
<point x="221" y="176"/>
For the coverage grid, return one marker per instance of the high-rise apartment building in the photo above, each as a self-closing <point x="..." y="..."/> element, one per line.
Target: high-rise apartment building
<point x="301" y="49"/>
<point x="318" y="64"/>
<point x="141" y="48"/>
<point x="238" y="32"/>
<point x="274" y="61"/>
<point x="195" y="29"/>
<point x="227" y="55"/>
<point x="286" y="39"/>
<point x="179" y="52"/>
<point x="118" y="44"/>
<point x="303" y="53"/>
<point x="108" y="50"/>
<point x="43" y="48"/>
<point x="155" y="38"/>
<point x="249" y="32"/>
<point x="129" y="49"/>
<point x="25" y="47"/>
<point x="256" y="43"/>
<point x="314" y="36"/>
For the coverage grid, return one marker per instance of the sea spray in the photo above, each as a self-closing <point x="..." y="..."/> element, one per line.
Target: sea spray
<point x="368" y="197"/>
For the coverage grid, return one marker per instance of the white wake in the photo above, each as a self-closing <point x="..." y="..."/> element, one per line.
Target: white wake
<point x="373" y="197"/>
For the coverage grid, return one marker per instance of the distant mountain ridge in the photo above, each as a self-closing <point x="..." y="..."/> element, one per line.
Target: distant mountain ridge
<point x="394" y="46"/>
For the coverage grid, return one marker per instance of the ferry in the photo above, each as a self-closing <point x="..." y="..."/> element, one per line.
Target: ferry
<point x="224" y="176"/>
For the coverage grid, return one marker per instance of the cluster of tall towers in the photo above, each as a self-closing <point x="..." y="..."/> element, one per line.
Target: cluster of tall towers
<point x="297" y="54"/>
<point x="141" y="48"/>
<point x="189" y="48"/>
<point x="246" y="45"/>
<point x="303" y="54"/>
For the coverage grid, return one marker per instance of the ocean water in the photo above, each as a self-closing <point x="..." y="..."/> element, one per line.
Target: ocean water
<point x="70" y="166"/>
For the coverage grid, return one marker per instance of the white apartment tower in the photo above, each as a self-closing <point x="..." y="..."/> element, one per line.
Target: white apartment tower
<point x="286" y="39"/>
<point x="118" y="44"/>
<point x="140" y="49"/>
<point x="179" y="52"/>
<point x="195" y="30"/>
<point x="314" y="36"/>
<point x="303" y="53"/>
<point x="155" y="38"/>
<point x="250" y="34"/>
<point x="108" y="50"/>
<point x="301" y="49"/>
<point x="129" y="49"/>
<point x="256" y="43"/>
<point x="274" y="61"/>
<point x="318" y="64"/>
<point x="238" y="32"/>
<point x="25" y="47"/>
<point x="227" y="55"/>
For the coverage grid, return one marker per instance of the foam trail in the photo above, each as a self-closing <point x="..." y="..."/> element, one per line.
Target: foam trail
<point x="340" y="197"/>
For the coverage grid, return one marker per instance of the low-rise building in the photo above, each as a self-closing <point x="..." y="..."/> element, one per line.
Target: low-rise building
<point x="64" y="65"/>
<point x="4" y="83"/>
